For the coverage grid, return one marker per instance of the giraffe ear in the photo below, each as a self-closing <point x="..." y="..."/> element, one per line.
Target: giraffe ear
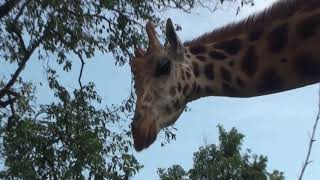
<point x="173" y="39"/>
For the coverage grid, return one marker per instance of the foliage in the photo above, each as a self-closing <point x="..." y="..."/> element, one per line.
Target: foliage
<point x="223" y="161"/>
<point x="76" y="135"/>
<point x="175" y="172"/>
<point x="66" y="139"/>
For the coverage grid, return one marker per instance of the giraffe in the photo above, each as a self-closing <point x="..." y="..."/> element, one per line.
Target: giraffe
<point x="275" y="50"/>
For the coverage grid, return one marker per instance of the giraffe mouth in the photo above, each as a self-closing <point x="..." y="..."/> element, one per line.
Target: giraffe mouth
<point x="144" y="133"/>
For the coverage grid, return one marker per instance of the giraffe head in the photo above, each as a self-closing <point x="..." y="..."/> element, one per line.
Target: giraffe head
<point x="159" y="104"/>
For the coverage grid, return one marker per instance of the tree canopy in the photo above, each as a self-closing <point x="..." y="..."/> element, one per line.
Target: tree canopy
<point x="224" y="161"/>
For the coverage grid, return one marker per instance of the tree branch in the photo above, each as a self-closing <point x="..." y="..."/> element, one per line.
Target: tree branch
<point x="15" y="75"/>
<point x="23" y="62"/>
<point x="7" y="7"/>
<point x="4" y="104"/>
<point x="21" y="11"/>
<point x="12" y="118"/>
<point x="17" y="32"/>
<point x="10" y="100"/>
<point x="81" y="69"/>
<point x="312" y="140"/>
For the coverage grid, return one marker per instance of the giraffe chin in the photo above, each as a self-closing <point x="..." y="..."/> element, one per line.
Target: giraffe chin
<point x="144" y="133"/>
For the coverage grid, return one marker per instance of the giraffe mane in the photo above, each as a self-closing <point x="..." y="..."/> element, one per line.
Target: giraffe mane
<point x="280" y="9"/>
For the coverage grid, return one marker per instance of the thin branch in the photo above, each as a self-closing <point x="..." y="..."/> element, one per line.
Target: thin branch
<point x="208" y="7"/>
<point x="81" y="59"/>
<point x="12" y="93"/>
<point x="312" y="140"/>
<point x="24" y="5"/>
<point x="175" y="4"/>
<point x="81" y="69"/>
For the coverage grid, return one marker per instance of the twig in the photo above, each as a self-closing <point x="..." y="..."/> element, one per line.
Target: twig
<point x="312" y="140"/>
<point x="215" y="7"/>
<point x="81" y="68"/>
<point x="24" y="5"/>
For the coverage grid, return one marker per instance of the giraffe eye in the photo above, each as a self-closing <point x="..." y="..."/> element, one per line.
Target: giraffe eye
<point x="164" y="67"/>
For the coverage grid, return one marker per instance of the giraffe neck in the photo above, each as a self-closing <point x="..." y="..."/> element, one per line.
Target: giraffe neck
<point x="268" y="53"/>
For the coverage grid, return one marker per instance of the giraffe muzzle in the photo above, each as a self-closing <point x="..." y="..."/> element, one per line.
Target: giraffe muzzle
<point x="144" y="133"/>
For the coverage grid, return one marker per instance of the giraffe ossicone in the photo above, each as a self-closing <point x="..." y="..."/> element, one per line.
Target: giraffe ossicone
<point x="273" y="51"/>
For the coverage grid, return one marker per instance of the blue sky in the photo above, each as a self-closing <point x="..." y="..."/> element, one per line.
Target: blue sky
<point x="277" y="126"/>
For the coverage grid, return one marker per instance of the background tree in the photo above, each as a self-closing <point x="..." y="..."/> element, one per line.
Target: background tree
<point x="76" y="134"/>
<point x="223" y="161"/>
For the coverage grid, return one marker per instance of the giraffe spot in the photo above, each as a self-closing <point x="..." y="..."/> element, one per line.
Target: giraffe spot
<point x="172" y="91"/>
<point x="255" y="34"/>
<point x="215" y="55"/>
<point x="168" y="110"/>
<point x="287" y="12"/>
<point x="307" y="66"/>
<point x="182" y="75"/>
<point x="208" y="71"/>
<point x="147" y="98"/>
<point x="201" y="58"/>
<point x="188" y="75"/>
<point x="249" y="63"/>
<point x="176" y="104"/>
<point x="185" y="89"/>
<point x="270" y="82"/>
<point x="239" y="82"/>
<point x="228" y="90"/>
<point x="278" y="38"/>
<point x="231" y="63"/>
<point x="225" y="74"/>
<point x="179" y="87"/>
<point x="195" y="68"/>
<point x="232" y="46"/>
<point x="209" y="90"/>
<point x="307" y="28"/>
<point x="198" y="90"/>
<point x="194" y="87"/>
<point x="197" y="49"/>
<point x="311" y="5"/>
